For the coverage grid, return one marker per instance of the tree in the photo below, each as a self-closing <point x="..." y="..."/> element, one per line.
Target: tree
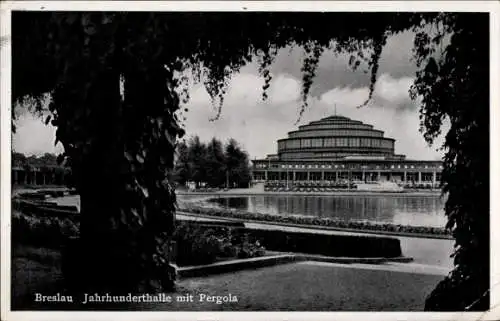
<point x="182" y="172"/>
<point x="456" y="87"/>
<point x="215" y="163"/>
<point x="18" y="159"/>
<point x="197" y="154"/>
<point x="237" y="165"/>
<point x="120" y="145"/>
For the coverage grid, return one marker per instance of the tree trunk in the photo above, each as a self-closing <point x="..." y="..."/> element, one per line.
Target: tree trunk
<point x="123" y="233"/>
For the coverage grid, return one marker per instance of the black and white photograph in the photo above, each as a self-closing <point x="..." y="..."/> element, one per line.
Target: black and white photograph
<point x="249" y="157"/>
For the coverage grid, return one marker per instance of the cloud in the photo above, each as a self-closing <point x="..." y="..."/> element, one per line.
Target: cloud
<point x="255" y="123"/>
<point x="394" y="91"/>
<point x="258" y="124"/>
<point x="345" y="96"/>
<point x="334" y="71"/>
<point x="390" y="110"/>
<point x="33" y="137"/>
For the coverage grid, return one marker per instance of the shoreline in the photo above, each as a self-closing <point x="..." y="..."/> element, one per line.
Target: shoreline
<point x="336" y="193"/>
<point x="188" y="213"/>
<point x="199" y="208"/>
<point x="192" y="209"/>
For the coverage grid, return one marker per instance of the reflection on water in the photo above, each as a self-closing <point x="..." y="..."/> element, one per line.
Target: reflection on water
<point x="75" y="199"/>
<point x="404" y="210"/>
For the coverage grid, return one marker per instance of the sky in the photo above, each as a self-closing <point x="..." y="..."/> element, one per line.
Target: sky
<point x="257" y="124"/>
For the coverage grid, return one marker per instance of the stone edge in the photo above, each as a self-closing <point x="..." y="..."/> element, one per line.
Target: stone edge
<point x="259" y="262"/>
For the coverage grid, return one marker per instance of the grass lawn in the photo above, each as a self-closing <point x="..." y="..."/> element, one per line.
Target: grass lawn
<point x="33" y="270"/>
<point x="296" y="286"/>
<point x="308" y="287"/>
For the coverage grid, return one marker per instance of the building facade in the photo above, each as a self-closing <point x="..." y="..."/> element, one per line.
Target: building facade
<point x="39" y="171"/>
<point x="339" y="149"/>
<point x="24" y="175"/>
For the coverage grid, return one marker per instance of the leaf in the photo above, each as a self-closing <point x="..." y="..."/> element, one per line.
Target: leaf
<point x="128" y="156"/>
<point x="60" y="159"/>
<point x="71" y="18"/>
<point x="170" y="138"/>
<point x="351" y="60"/>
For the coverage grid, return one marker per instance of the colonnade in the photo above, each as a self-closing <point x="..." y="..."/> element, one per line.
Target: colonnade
<point x="417" y="177"/>
<point x="37" y="176"/>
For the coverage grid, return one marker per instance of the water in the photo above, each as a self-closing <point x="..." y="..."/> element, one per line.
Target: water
<point x="404" y="210"/>
<point x="75" y="199"/>
<point x="412" y="210"/>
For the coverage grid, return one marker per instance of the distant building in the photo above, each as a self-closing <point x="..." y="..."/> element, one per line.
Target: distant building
<point x="336" y="149"/>
<point x="41" y="171"/>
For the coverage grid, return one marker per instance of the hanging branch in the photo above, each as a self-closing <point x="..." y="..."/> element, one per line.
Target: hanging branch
<point x="313" y="52"/>
<point x="266" y="60"/>
<point x="378" y="45"/>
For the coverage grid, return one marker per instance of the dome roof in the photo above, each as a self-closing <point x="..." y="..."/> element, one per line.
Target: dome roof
<point x="336" y="137"/>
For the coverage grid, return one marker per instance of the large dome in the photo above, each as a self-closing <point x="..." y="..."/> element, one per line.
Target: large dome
<point x="336" y="137"/>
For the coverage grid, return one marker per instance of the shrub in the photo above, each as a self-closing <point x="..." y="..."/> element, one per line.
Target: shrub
<point x="195" y="246"/>
<point x="198" y="244"/>
<point x="42" y="231"/>
<point x="327" y="244"/>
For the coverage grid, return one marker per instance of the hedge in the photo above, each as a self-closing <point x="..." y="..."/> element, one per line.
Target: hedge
<point x="51" y="232"/>
<point x="318" y="243"/>
<point x="204" y="244"/>
<point x="312" y="220"/>
<point x="327" y="244"/>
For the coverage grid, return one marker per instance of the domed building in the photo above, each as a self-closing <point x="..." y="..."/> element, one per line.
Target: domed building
<point x="338" y="148"/>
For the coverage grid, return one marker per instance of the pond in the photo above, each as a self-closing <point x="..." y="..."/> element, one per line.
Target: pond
<point x="414" y="210"/>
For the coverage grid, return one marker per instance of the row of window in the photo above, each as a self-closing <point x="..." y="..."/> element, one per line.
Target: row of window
<point x="325" y="166"/>
<point x="350" y="154"/>
<point x="336" y="132"/>
<point x="337" y="121"/>
<point x="293" y="155"/>
<point x="336" y="126"/>
<point x="335" y="142"/>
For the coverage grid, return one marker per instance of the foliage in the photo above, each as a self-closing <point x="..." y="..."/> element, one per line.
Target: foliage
<point x="182" y="170"/>
<point x="18" y="159"/>
<point x="195" y="246"/>
<point x="201" y="245"/>
<point x="42" y="230"/>
<point x="215" y="163"/>
<point x="47" y="164"/>
<point x="47" y="160"/>
<point x="197" y="154"/>
<point x="360" y="246"/>
<point x="456" y="87"/>
<point x="237" y="165"/>
<point x="247" y="249"/>
<point x="121" y="145"/>
<point x="212" y="163"/>
<point x="317" y="221"/>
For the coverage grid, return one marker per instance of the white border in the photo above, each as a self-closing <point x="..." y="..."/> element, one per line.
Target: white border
<point x="5" y="166"/>
<point x="390" y="6"/>
<point x="5" y="143"/>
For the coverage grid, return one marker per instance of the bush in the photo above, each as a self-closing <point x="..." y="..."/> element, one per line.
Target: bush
<point x="50" y="232"/>
<point x="198" y="244"/>
<point x="328" y="244"/>
<point x="41" y="223"/>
